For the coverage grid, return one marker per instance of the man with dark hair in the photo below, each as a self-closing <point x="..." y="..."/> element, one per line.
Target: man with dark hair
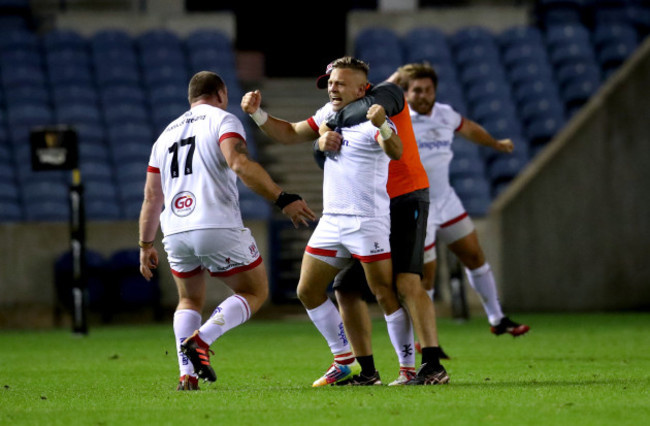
<point x="191" y="192"/>
<point x="448" y="219"/>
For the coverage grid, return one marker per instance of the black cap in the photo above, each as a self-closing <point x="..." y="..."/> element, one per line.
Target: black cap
<point x="321" y="82"/>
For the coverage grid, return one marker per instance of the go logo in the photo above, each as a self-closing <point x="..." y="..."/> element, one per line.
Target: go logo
<point x="183" y="203"/>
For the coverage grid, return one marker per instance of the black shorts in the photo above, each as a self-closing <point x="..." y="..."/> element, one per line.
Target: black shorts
<point x="408" y="221"/>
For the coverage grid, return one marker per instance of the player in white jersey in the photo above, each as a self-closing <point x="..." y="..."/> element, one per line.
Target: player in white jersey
<point x="434" y="125"/>
<point x="191" y="193"/>
<point x="356" y="215"/>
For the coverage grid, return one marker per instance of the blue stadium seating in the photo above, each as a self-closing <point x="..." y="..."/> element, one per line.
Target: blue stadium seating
<point x="47" y="211"/>
<point x="125" y="112"/>
<point x="108" y="39"/>
<point x="74" y="113"/>
<point x="19" y="40"/>
<point x="74" y="93"/>
<point x="62" y="39"/>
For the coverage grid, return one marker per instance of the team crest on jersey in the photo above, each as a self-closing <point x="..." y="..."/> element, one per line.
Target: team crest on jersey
<point x="183" y="203"/>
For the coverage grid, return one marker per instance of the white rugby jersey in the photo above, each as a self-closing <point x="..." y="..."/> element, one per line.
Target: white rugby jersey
<point x="200" y="188"/>
<point x="354" y="181"/>
<point x="434" y="134"/>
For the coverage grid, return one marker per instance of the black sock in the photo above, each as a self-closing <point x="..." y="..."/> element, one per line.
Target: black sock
<point x="431" y="356"/>
<point x="367" y="365"/>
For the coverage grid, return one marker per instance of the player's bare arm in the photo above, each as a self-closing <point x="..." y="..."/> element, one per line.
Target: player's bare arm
<point x="477" y="134"/>
<point x="277" y="129"/>
<point x="388" y="139"/>
<point x="256" y="178"/>
<point x="148" y="224"/>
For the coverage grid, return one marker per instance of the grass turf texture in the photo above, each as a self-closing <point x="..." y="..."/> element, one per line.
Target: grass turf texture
<point x="569" y="369"/>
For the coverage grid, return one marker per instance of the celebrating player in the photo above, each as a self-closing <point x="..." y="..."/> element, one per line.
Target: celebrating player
<point x="448" y="219"/>
<point x="191" y="193"/>
<point x="339" y="86"/>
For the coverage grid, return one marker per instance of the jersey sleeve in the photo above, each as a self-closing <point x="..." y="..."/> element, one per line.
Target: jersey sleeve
<point x="388" y="95"/>
<point x="231" y="127"/>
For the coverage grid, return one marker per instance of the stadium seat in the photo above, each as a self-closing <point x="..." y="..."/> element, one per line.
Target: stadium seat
<point x="530" y="73"/>
<point x="472" y="36"/>
<point x="558" y="35"/>
<point x="470" y="187"/>
<point x="11" y="211"/>
<point x="91" y="152"/>
<point x="96" y="277"/>
<point x="212" y="59"/>
<point x="44" y="191"/>
<point x="25" y="94"/>
<point x="74" y="93"/>
<point x="109" y="39"/>
<point x="469" y="166"/>
<point x="164" y="113"/>
<point x="524" y="55"/>
<point x="612" y="56"/>
<point x="163" y="75"/>
<point x="70" y="74"/>
<point x="91" y="134"/>
<point x="598" y="12"/>
<point x="125" y="112"/>
<point x="127" y="288"/>
<point x="94" y="171"/>
<point x="541" y="106"/>
<point x="576" y="94"/>
<point x="579" y="71"/>
<point x="464" y="148"/>
<point x="23" y="116"/>
<point x="120" y="134"/>
<point x="556" y="12"/>
<point x="208" y="38"/>
<point x="112" y="56"/>
<point x="47" y="211"/>
<point x="571" y="53"/>
<point x="159" y="37"/>
<point x="473" y="55"/>
<point x="129" y="153"/>
<point x="542" y="129"/>
<point x="169" y="93"/>
<point x="58" y="39"/>
<point x="505" y="168"/>
<point x="21" y="57"/>
<point x="155" y="57"/>
<point x="494" y="108"/>
<point x="373" y="37"/>
<point x="78" y="113"/>
<point x="23" y="75"/>
<point x="131" y="209"/>
<point x="19" y="40"/>
<point x="605" y="34"/>
<point x="97" y="209"/>
<point x="117" y="75"/>
<point x="123" y="93"/>
<point x="9" y="190"/>
<point x="482" y="71"/>
<point x="526" y="35"/>
<point x="483" y="91"/>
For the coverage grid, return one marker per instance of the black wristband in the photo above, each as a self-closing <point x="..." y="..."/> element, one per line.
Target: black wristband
<point x="285" y="199"/>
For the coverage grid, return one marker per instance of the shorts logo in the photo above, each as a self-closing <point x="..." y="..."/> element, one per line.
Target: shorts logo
<point x="183" y="203"/>
<point x="253" y="249"/>
<point x="377" y="249"/>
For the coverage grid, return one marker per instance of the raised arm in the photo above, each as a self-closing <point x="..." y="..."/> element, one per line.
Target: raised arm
<point x="476" y="133"/>
<point x="388" y="95"/>
<point x="388" y="139"/>
<point x="277" y="129"/>
<point x="256" y="178"/>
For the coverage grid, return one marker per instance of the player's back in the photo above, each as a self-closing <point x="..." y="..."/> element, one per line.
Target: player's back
<point x="200" y="189"/>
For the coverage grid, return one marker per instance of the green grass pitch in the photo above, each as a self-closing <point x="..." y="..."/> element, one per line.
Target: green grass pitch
<point x="580" y="369"/>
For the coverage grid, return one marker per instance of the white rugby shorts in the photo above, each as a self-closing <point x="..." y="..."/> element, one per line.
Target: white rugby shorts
<point x="337" y="238"/>
<point x="222" y="251"/>
<point x="448" y="221"/>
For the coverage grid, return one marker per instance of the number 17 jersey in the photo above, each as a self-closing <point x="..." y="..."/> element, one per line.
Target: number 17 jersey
<point x="199" y="187"/>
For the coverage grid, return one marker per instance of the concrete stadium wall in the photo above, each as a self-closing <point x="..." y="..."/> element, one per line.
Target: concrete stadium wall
<point x="29" y="251"/>
<point x="572" y="232"/>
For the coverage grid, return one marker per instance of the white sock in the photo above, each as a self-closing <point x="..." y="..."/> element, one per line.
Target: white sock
<point x="400" y="332"/>
<point x="186" y="322"/>
<point x="229" y="314"/>
<point x="431" y="293"/>
<point x="482" y="280"/>
<point x="327" y="320"/>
